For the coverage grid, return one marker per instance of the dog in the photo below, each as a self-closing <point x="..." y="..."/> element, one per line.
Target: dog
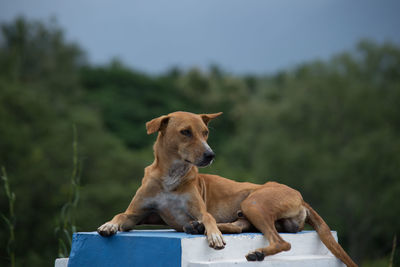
<point x="174" y="193"/>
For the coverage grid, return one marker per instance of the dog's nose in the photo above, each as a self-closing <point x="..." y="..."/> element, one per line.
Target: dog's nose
<point x="208" y="156"/>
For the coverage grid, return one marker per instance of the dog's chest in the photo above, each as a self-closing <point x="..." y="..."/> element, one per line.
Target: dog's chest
<point x="172" y="207"/>
<point x="168" y="201"/>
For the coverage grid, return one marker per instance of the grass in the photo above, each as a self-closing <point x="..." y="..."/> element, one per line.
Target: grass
<point x="10" y="220"/>
<point x="67" y="222"/>
<point x="388" y="261"/>
<point x="393" y="251"/>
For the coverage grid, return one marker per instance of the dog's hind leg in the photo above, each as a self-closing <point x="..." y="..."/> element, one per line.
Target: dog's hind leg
<point x="243" y="225"/>
<point x="262" y="216"/>
<point x="276" y="243"/>
<point x="236" y="227"/>
<point x="240" y="225"/>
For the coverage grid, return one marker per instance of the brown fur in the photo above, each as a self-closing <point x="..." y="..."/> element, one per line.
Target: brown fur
<point x="174" y="193"/>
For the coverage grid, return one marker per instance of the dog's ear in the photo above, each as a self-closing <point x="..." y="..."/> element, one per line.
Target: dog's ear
<point x="157" y="124"/>
<point x="207" y="117"/>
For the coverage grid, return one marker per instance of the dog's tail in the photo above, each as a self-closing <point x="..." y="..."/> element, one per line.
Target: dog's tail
<point x="326" y="237"/>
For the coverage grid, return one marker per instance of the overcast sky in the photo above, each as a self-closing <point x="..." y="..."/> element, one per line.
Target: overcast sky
<point x="242" y="36"/>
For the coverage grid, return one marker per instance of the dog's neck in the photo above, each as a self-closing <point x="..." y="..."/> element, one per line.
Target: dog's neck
<point x="177" y="173"/>
<point x="172" y="171"/>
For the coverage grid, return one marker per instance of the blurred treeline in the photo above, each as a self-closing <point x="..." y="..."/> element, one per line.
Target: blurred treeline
<point x="330" y="129"/>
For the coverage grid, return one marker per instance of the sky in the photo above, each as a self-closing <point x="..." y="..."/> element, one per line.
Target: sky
<point x="240" y="36"/>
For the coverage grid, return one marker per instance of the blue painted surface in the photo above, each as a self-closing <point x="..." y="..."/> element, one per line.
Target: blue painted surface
<point x="136" y="248"/>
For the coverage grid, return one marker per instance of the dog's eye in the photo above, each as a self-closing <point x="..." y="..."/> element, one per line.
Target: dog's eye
<point x="205" y="133"/>
<point x="187" y="133"/>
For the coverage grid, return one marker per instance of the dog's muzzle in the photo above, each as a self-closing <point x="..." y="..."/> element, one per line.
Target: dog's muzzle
<point x="207" y="159"/>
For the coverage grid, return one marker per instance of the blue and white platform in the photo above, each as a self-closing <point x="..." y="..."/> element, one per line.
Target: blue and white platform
<point x="169" y="248"/>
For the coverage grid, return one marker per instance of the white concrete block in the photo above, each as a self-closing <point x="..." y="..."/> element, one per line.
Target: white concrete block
<point x="283" y="261"/>
<point x="169" y="248"/>
<point x="61" y="262"/>
<point x="237" y="246"/>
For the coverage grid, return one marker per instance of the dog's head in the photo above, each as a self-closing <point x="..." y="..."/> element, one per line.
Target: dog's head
<point x="184" y="136"/>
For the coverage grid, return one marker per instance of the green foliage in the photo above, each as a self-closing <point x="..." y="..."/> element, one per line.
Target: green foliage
<point x="67" y="221"/>
<point x="329" y="129"/>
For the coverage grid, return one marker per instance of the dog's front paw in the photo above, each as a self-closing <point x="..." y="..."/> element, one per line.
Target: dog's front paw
<point x="215" y="240"/>
<point x="194" y="228"/>
<point x="107" y="229"/>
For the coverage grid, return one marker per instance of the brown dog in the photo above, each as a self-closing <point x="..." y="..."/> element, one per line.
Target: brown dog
<point x="174" y="193"/>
